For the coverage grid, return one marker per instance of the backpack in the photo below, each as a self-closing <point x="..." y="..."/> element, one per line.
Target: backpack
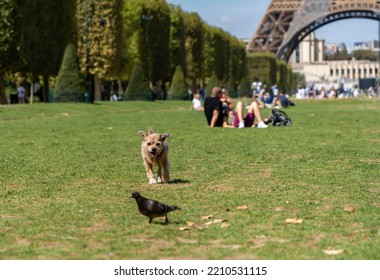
<point x="280" y="118"/>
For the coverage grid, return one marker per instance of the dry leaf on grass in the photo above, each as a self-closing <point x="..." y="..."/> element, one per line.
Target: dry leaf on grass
<point x="333" y="252"/>
<point x="224" y="225"/>
<point x="294" y="221"/>
<point x="190" y="224"/>
<point x="219" y="221"/>
<point x="208" y="217"/>
<point x="349" y="209"/>
<point x="244" y="207"/>
<point x="184" y="228"/>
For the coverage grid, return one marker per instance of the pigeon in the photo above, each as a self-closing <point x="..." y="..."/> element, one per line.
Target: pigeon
<point x="152" y="208"/>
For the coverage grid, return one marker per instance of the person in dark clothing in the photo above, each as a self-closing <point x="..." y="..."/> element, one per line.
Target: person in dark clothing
<point x="215" y="112"/>
<point x="284" y="101"/>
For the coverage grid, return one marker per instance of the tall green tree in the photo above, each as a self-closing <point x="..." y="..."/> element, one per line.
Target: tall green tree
<point x="100" y="37"/>
<point x="220" y="54"/>
<point x="194" y="48"/>
<point x="8" y="42"/>
<point x="147" y="35"/>
<point x="155" y="55"/>
<point x="262" y="67"/>
<point x="178" y="39"/>
<point x="45" y="28"/>
<point x="131" y="18"/>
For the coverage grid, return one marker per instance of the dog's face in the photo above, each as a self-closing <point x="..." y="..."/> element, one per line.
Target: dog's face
<point x="153" y="143"/>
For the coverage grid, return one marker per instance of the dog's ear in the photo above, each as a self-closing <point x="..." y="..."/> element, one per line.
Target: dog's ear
<point x="164" y="136"/>
<point x="143" y="134"/>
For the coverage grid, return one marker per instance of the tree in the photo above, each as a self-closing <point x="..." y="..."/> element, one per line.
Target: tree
<point x="155" y="37"/>
<point x="138" y="88"/>
<point x="8" y="43"/>
<point x="43" y="38"/>
<point x="221" y="53"/>
<point x="178" y="87"/>
<point x="244" y="88"/>
<point x="69" y="85"/>
<point x="100" y="36"/>
<point x="365" y="55"/>
<point x="178" y="39"/>
<point x="194" y="47"/>
<point x="262" y="67"/>
<point x="213" y="82"/>
<point x="131" y="17"/>
<point x="282" y="75"/>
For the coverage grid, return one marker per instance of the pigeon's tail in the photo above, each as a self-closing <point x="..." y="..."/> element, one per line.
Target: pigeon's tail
<point x="172" y="208"/>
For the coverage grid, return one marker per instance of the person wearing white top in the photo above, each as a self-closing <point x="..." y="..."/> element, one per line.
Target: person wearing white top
<point x="196" y="103"/>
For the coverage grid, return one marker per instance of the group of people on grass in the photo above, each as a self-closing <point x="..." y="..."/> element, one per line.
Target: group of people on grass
<point x="219" y="110"/>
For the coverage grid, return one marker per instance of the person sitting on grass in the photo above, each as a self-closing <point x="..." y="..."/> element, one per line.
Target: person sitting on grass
<point x="196" y="103"/>
<point x="249" y="120"/>
<point x="216" y="114"/>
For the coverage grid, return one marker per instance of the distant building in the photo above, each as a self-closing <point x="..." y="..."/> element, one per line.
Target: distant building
<point x="308" y="59"/>
<point x="331" y="48"/>
<point x="310" y="50"/>
<point x="367" y="46"/>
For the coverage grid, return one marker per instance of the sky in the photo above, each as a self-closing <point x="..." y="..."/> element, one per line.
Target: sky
<point x="242" y="17"/>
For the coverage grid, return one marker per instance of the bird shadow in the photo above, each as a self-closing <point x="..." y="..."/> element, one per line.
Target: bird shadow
<point x="178" y="181"/>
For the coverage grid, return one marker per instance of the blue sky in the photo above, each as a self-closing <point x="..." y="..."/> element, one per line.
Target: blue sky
<point x="242" y="17"/>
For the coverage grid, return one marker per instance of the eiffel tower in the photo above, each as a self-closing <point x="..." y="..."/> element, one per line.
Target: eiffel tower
<point x="287" y="22"/>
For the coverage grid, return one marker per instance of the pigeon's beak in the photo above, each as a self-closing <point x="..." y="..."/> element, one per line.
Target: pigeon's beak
<point x="130" y="196"/>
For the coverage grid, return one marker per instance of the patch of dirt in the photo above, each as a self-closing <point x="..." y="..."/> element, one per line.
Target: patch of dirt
<point x="23" y="241"/>
<point x="96" y="227"/>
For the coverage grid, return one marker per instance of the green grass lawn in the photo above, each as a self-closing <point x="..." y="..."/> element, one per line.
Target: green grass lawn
<point x="67" y="170"/>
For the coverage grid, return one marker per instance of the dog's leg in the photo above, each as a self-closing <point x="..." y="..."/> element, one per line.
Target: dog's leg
<point x="165" y="172"/>
<point x="159" y="174"/>
<point x="149" y="173"/>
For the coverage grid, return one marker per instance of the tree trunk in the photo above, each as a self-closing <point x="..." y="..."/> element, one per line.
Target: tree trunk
<point x="3" y="98"/>
<point x="97" y="83"/>
<point x="45" y="92"/>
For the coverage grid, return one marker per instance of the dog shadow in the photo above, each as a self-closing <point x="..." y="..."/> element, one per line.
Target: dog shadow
<point x="178" y="181"/>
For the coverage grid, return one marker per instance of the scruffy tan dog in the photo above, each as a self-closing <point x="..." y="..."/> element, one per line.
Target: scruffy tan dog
<point x="154" y="150"/>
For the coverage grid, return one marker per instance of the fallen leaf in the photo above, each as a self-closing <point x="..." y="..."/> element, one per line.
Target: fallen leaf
<point x="294" y="221"/>
<point x="244" y="207"/>
<point x="349" y="209"/>
<point x="190" y="224"/>
<point x="333" y="252"/>
<point x="224" y="225"/>
<point x="209" y="223"/>
<point x="208" y="217"/>
<point x="219" y="221"/>
<point x="184" y="228"/>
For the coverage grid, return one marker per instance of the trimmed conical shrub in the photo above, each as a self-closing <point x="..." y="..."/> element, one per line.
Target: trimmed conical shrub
<point x="69" y="85"/>
<point x="138" y="87"/>
<point x="178" y="88"/>
<point x="244" y="88"/>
